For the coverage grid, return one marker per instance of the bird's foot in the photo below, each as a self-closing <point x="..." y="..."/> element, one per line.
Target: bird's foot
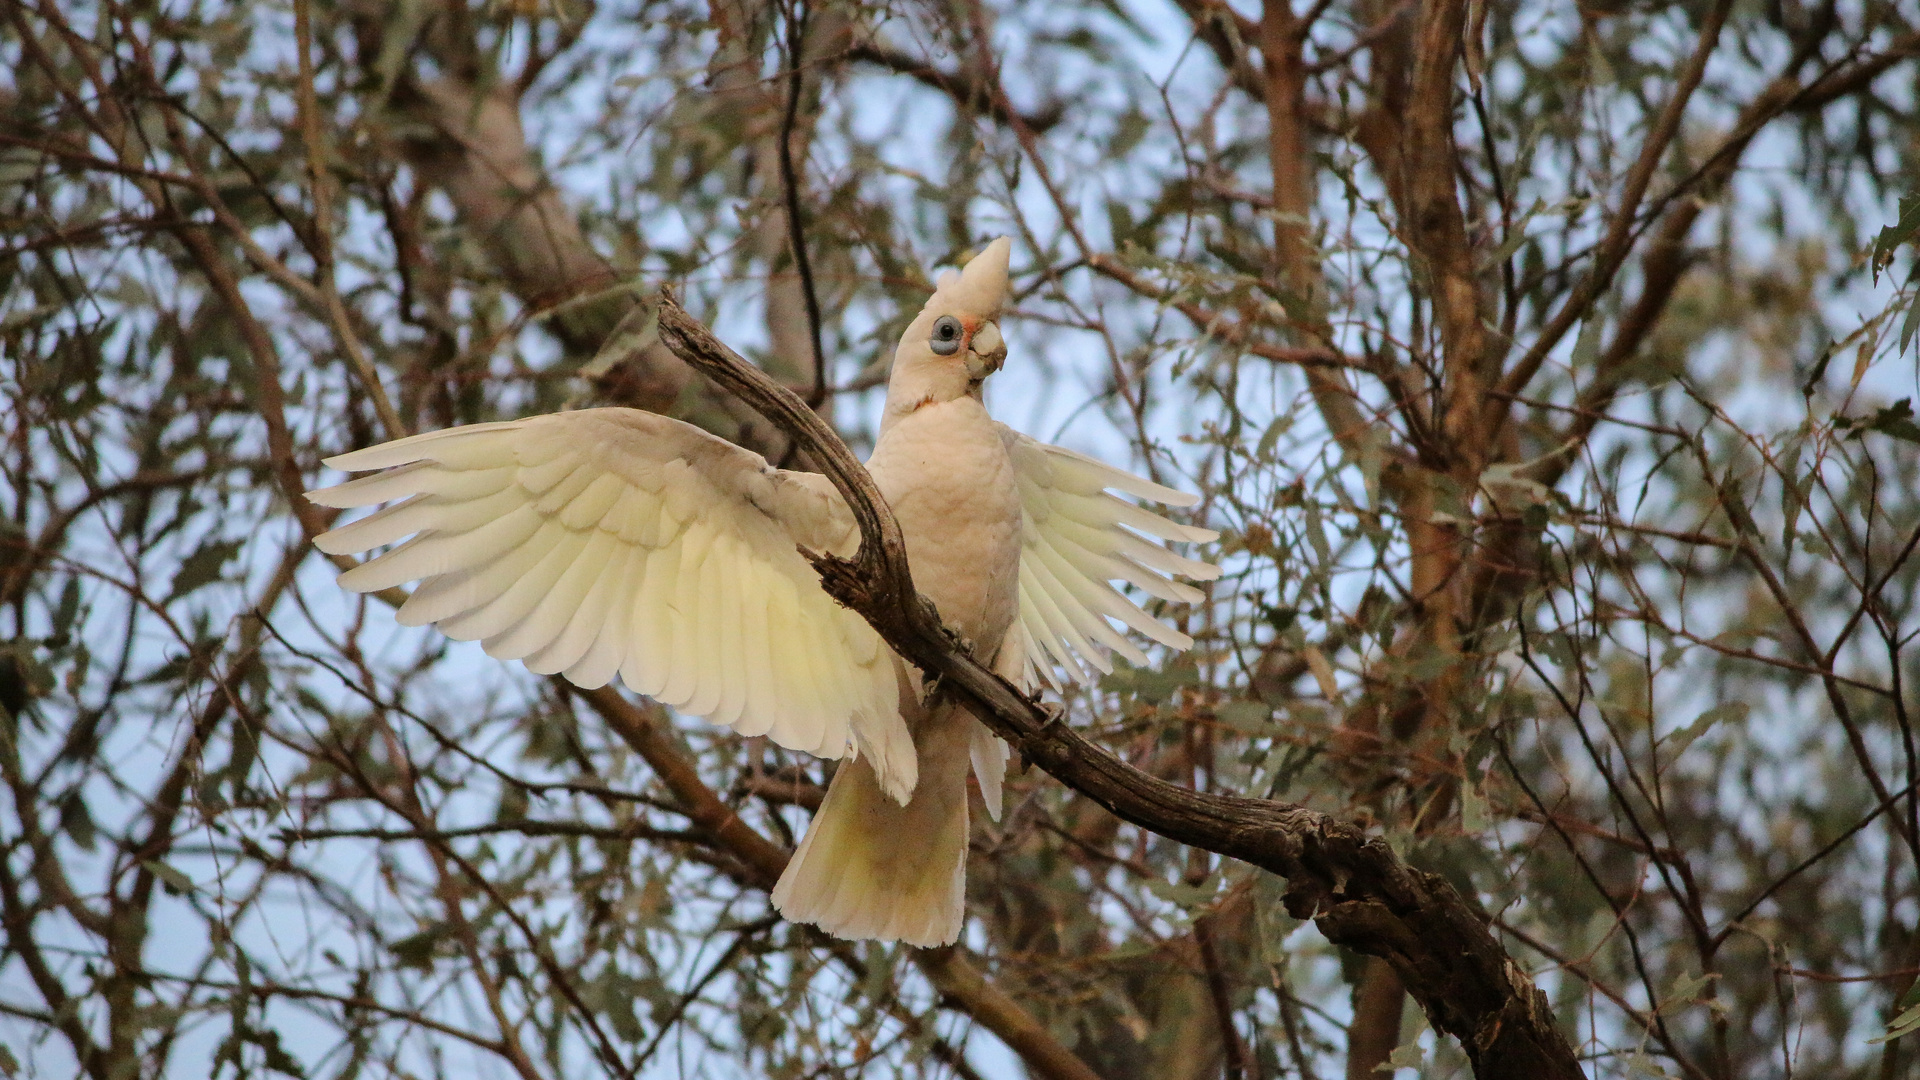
<point x="929" y="687"/>
<point x="959" y="640"/>
<point x="1056" y="714"/>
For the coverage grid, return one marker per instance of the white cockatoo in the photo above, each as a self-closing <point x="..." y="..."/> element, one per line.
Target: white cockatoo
<point x="615" y="541"/>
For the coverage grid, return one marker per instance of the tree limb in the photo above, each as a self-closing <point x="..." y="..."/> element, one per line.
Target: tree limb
<point x="968" y="91"/>
<point x="1356" y="888"/>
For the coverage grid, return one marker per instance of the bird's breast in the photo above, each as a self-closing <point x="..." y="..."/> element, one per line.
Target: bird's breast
<point x="950" y="482"/>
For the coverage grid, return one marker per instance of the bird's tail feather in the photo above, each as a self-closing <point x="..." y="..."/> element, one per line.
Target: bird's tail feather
<point x="871" y="868"/>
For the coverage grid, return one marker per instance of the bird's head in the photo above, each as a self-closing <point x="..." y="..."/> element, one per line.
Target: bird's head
<point x="955" y="342"/>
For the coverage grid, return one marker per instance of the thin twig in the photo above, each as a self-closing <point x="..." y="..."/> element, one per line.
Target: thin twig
<point x="309" y="110"/>
<point x="528" y="827"/>
<point x="796" y="13"/>
<point x="1806" y="863"/>
<point x="1621" y="231"/>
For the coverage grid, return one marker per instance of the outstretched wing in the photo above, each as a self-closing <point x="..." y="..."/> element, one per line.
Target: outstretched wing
<point x="612" y="541"/>
<point x="1079" y="538"/>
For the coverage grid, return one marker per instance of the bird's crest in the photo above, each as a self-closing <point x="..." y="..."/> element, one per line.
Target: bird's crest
<point x="979" y="287"/>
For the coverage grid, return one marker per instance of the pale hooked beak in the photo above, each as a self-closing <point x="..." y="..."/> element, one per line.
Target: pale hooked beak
<point x="985" y="352"/>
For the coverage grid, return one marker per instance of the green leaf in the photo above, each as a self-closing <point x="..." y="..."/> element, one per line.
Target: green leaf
<point x="1905" y="1024"/>
<point x="1407" y="1055"/>
<point x="1676" y="742"/>
<point x="1795" y="497"/>
<point x="77" y="822"/>
<point x="1127" y="133"/>
<point x="1233" y="258"/>
<point x="1586" y="347"/>
<point x="1317" y="536"/>
<point x="1153" y="687"/>
<point x="1734" y="501"/>
<point x="1910" y="324"/>
<point x="416" y="950"/>
<point x="174" y="880"/>
<point x="1895" y="420"/>
<point x="19" y="167"/>
<point x="1819" y="370"/>
<point x="402" y="31"/>
<point x="278" y="1060"/>
<point x="1271" y="437"/>
<point x="1252" y="717"/>
<point x="1183" y="894"/>
<point x="1641" y="1065"/>
<point x="68" y="609"/>
<point x="203" y="566"/>
<point x="1892" y="236"/>
<point x="1515" y="237"/>
<point x="513" y="804"/>
<point x="22" y="676"/>
<point x="1473" y="809"/>
<point x="1686" y="989"/>
<point x="614" y="994"/>
<point x="1120" y="222"/>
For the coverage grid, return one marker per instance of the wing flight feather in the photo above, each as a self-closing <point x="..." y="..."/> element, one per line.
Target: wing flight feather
<point x="1079" y="539"/>
<point x="614" y="541"/>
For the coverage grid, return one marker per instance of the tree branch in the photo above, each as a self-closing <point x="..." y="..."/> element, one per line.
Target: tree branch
<point x="1620" y="230"/>
<point x="1236" y="331"/>
<point x="1358" y="891"/>
<point x="968" y="91"/>
<point x="796" y="18"/>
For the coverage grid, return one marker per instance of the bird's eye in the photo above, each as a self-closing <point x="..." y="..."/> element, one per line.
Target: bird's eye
<point x="946" y="336"/>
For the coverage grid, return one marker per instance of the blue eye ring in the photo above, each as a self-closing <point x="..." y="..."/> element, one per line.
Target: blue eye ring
<point x="947" y="335"/>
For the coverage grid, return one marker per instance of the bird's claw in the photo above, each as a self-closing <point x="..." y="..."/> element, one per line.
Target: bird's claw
<point x="1056" y="714"/>
<point x="929" y="688"/>
<point x="932" y="684"/>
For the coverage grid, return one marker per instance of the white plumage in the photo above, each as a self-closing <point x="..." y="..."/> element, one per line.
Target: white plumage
<point x="612" y="542"/>
<point x="616" y="541"/>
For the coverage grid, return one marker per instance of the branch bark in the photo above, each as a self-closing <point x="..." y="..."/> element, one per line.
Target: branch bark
<point x="1356" y="888"/>
<point x="968" y="89"/>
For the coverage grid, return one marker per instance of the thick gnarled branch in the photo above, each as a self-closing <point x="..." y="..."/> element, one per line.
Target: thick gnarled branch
<point x="1358" y="891"/>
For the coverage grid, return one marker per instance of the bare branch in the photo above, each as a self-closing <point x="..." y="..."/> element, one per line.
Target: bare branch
<point x="968" y="91"/>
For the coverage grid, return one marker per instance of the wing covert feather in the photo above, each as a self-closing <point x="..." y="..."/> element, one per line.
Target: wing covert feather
<point x="612" y="542"/>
